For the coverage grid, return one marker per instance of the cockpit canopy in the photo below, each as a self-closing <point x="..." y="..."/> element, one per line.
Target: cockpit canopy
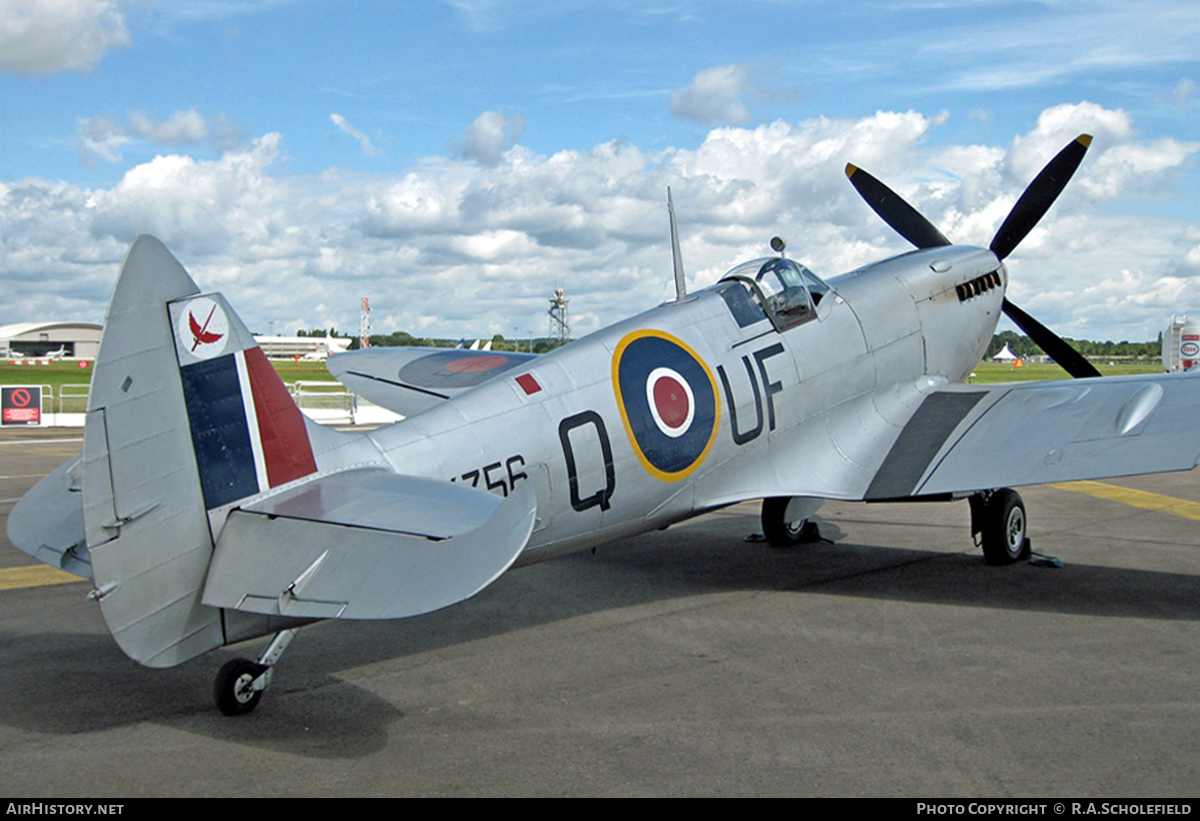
<point x="787" y="291"/>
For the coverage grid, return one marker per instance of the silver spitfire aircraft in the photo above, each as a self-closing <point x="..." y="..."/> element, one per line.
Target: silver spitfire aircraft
<point x="208" y="510"/>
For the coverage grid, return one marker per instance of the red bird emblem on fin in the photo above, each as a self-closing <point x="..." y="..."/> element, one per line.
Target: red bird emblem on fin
<point x="200" y="334"/>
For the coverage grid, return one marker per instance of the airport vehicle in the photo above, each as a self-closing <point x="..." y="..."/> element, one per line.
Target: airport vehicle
<point x="208" y="511"/>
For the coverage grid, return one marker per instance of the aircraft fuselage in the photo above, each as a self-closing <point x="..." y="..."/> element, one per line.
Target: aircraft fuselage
<point x="673" y="412"/>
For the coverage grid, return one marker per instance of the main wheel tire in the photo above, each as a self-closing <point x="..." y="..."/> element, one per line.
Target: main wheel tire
<point x="1004" y="531"/>
<point x="781" y="533"/>
<point x="231" y="689"/>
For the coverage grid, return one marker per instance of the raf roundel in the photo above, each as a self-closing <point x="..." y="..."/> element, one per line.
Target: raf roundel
<point x="668" y="402"/>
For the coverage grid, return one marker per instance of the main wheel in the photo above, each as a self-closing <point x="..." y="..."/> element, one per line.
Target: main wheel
<point x="1003" y="532"/>
<point x="781" y="533"/>
<point x="231" y="689"/>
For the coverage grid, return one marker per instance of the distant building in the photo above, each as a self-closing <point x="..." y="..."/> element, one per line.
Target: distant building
<point x="34" y="340"/>
<point x="81" y="340"/>
<point x="310" y="347"/>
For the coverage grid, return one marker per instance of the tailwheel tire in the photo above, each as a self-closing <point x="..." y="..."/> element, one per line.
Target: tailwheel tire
<point x="1004" y="530"/>
<point x="781" y="533"/>
<point x="232" y="690"/>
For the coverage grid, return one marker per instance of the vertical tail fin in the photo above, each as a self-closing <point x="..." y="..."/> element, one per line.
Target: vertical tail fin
<point x="185" y="417"/>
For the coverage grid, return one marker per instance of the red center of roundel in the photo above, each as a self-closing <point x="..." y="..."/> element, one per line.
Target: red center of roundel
<point x="671" y="401"/>
<point x="474" y="364"/>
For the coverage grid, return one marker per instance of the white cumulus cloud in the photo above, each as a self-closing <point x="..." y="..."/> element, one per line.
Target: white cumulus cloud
<point x="182" y="127"/>
<point x="492" y="134"/>
<point x="102" y="137"/>
<point x="714" y="96"/>
<point x="48" y="36"/>
<point x="453" y="246"/>
<point x="198" y="206"/>
<point x="1122" y="165"/>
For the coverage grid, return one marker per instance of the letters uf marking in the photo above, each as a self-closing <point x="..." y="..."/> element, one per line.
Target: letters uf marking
<point x="771" y="388"/>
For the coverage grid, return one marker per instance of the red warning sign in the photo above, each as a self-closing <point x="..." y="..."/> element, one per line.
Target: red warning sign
<point x="21" y="405"/>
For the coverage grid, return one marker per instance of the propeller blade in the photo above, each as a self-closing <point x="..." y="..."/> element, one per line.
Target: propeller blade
<point x="1039" y="196"/>
<point x="905" y="219"/>
<point x="1054" y="345"/>
<point x="1031" y="207"/>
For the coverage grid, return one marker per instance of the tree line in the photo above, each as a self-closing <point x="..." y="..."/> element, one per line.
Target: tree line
<point x="1023" y="347"/>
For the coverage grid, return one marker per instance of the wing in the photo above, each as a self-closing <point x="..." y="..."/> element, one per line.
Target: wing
<point x="964" y="438"/>
<point x="409" y="380"/>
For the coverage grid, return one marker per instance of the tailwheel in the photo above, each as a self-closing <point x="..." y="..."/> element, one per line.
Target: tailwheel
<point x="234" y="688"/>
<point x="240" y="683"/>
<point x="781" y="531"/>
<point x="1001" y="525"/>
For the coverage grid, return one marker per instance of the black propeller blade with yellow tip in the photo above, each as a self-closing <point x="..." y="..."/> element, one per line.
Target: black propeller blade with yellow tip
<point x="1039" y="196"/>
<point x="1029" y="209"/>
<point x="906" y="220"/>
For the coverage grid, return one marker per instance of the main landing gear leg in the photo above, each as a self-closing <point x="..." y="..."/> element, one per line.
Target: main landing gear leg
<point x="998" y="517"/>
<point x="240" y="683"/>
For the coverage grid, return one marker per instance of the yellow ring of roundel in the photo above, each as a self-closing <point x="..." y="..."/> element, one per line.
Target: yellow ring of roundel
<point x="665" y="476"/>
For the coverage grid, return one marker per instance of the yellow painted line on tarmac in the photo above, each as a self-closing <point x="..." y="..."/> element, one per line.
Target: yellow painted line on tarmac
<point x="1135" y="498"/>
<point x="40" y="441"/>
<point x="35" y="575"/>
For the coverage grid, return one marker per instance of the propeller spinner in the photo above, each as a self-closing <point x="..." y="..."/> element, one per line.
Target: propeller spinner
<point x="1031" y="207"/>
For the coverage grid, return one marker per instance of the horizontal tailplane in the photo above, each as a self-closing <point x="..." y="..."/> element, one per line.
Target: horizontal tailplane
<point x="366" y="544"/>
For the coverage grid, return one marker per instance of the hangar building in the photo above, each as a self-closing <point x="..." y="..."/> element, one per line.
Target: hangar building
<point x="312" y="347"/>
<point x="81" y="340"/>
<point x="75" y="340"/>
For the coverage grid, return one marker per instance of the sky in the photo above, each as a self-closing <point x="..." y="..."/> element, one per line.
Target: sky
<point x="457" y="160"/>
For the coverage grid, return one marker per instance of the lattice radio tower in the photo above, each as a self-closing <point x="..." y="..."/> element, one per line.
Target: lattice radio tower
<point x="560" y="327"/>
<point x="364" y="324"/>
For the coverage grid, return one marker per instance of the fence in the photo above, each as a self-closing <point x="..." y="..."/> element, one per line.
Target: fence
<point x="330" y="403"/>
<point x="73" y="398"/>
<point x="325" y="402"/>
